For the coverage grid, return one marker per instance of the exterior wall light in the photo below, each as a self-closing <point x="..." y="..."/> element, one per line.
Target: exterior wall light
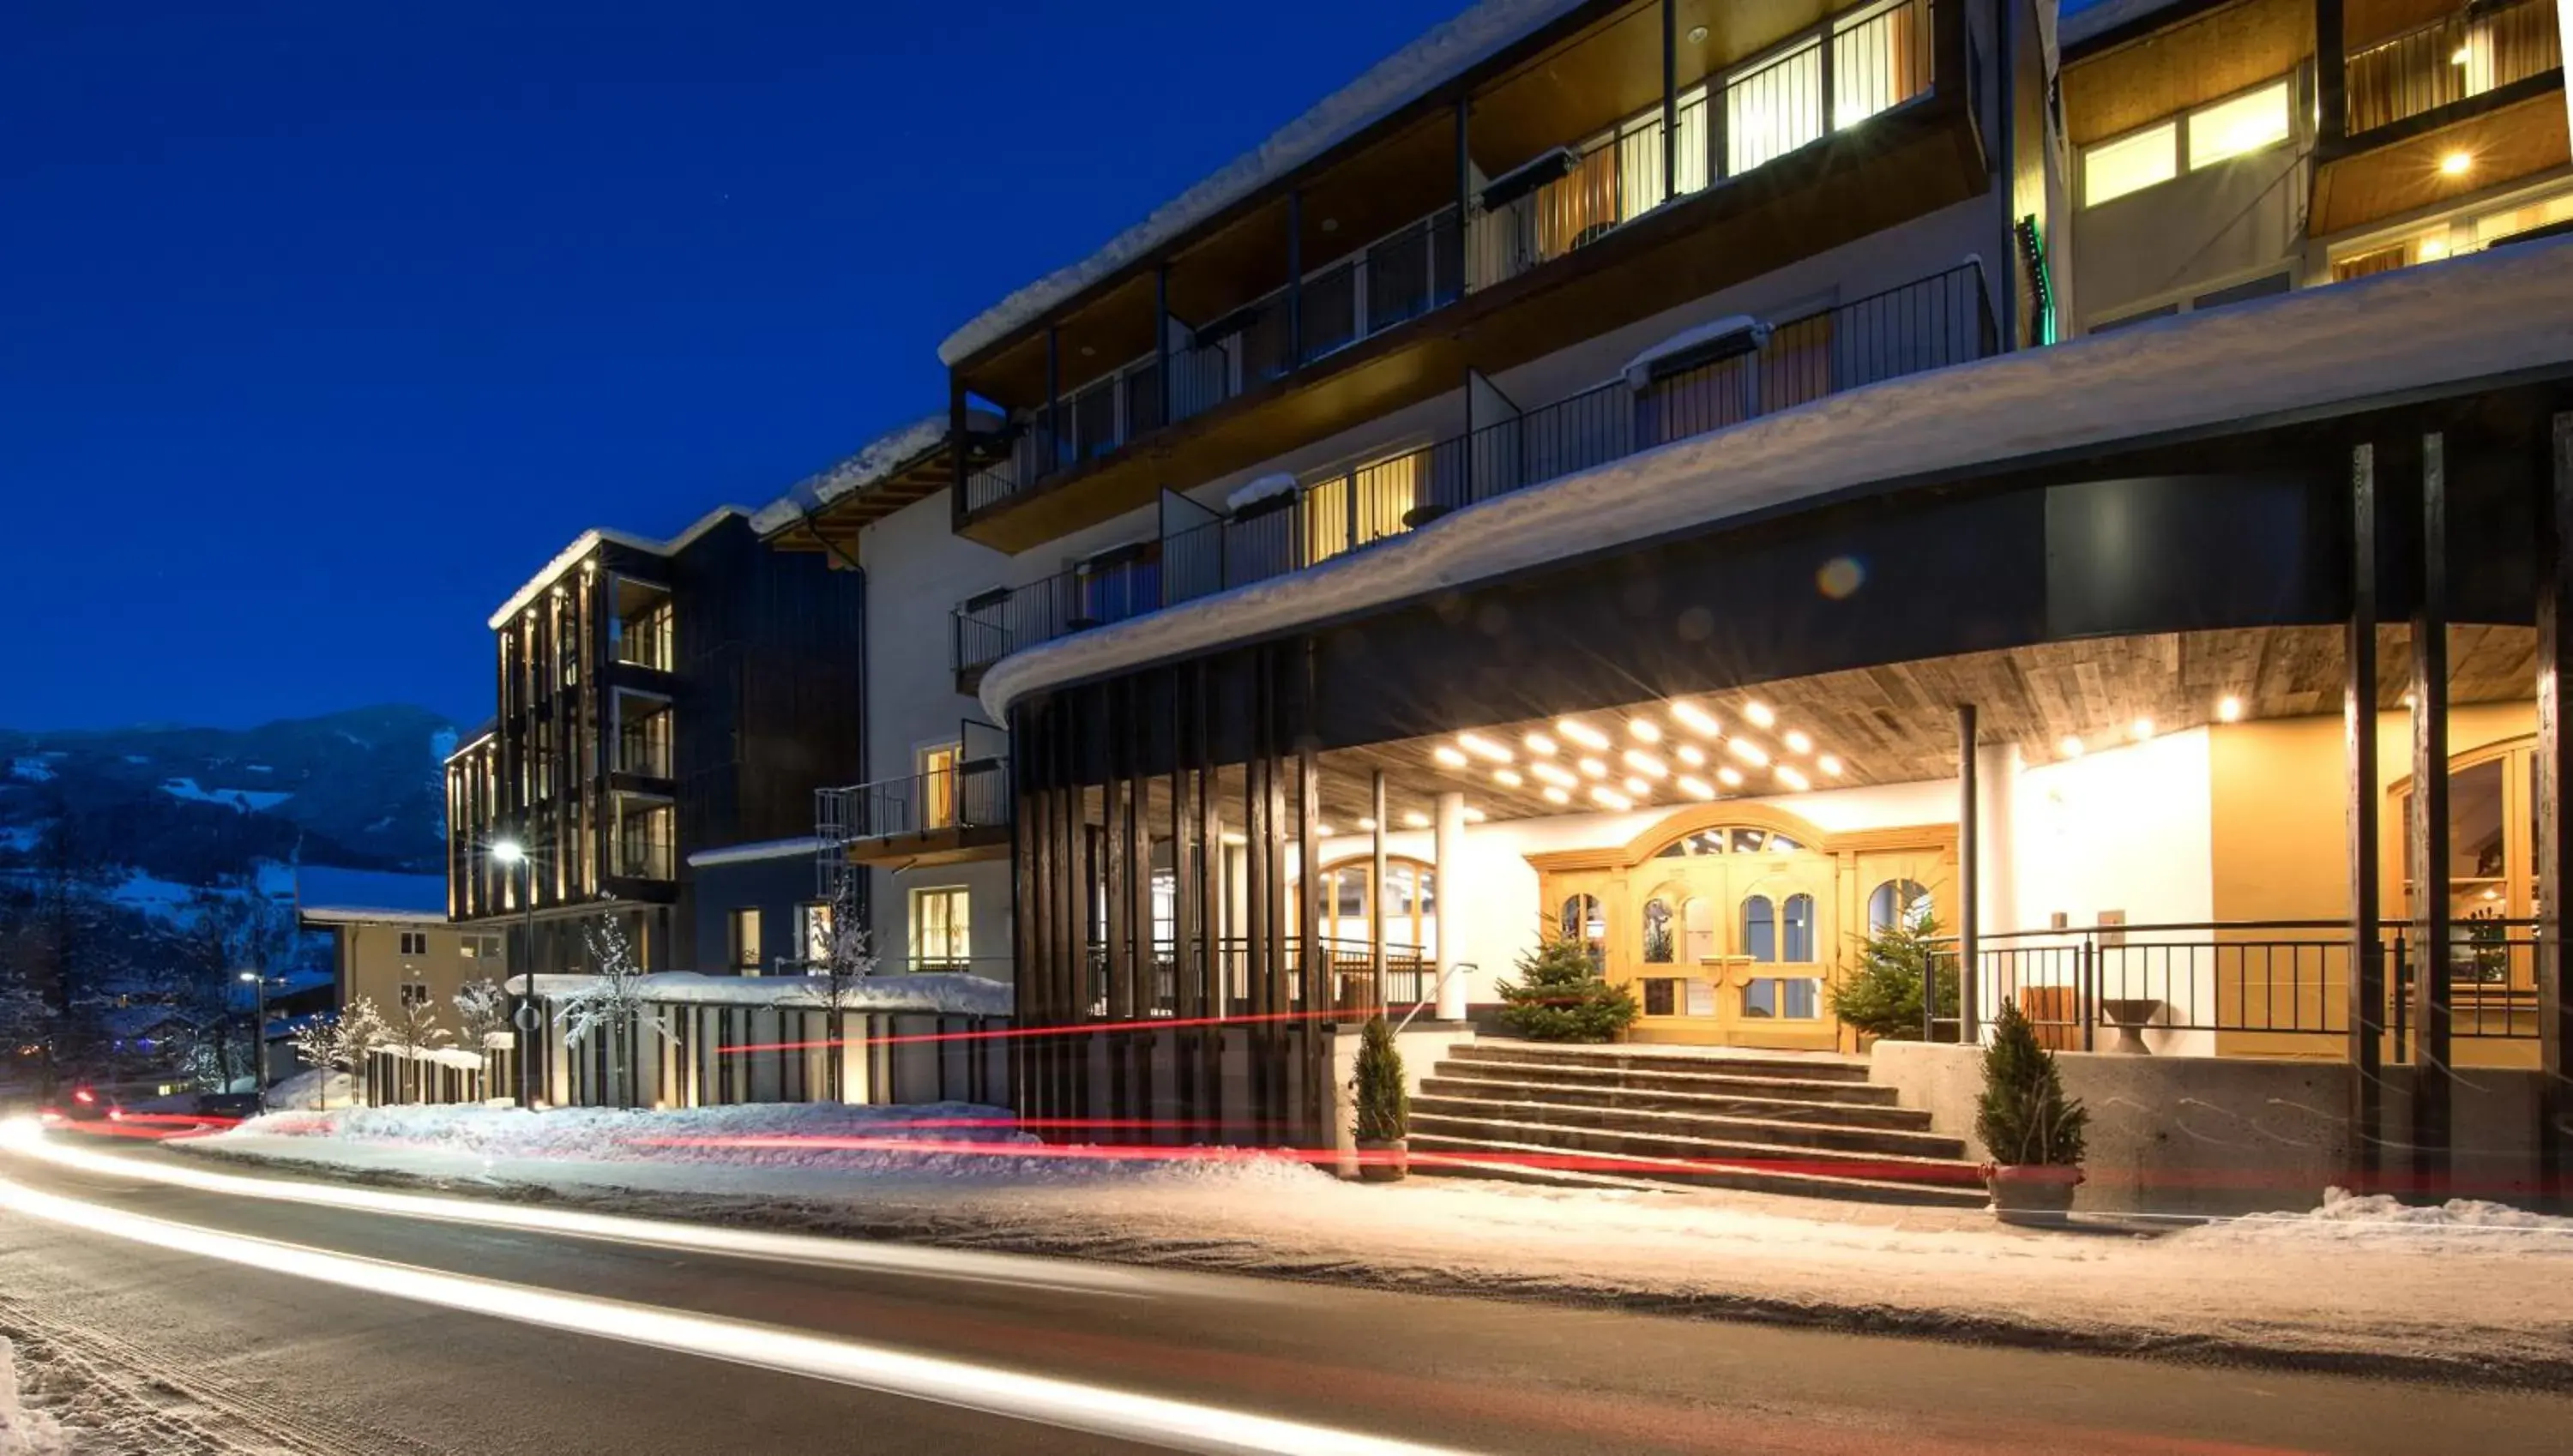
<point x="2229" y="710"/>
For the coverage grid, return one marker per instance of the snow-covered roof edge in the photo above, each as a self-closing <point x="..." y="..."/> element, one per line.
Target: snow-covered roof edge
<point x="743" y="854"/>
<point x="1448" y="51"/>
<point x="2484" y="315"/>
<point x="874" y="460"/>
<point x="367" y="915"/>
<point x="590" y="540"/>
<point x="2091" y="21"/>
<point x="942" y="992"/>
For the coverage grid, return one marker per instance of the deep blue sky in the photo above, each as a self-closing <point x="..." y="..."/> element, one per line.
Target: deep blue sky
<point x="323" y="325"/>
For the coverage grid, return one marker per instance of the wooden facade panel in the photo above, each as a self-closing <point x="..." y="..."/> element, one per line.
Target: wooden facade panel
<point x="2206" y="57"/>
<point x="2517" y="141"/>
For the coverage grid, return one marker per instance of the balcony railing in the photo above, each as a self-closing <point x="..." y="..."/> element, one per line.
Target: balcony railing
<point x="1943" y="320"/>
<point x="1880" y="57"/>
<point x="2460" y="55"/>
<point x="643" y="860"/>
<point x="975" y="794"/>
<point x="644" y="642"/>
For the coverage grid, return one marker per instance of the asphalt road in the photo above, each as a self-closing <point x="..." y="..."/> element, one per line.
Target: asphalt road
<point x="302" y="1364"/>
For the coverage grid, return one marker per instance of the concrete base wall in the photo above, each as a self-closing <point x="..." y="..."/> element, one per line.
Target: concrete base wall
<point x="2216" y="1136"/>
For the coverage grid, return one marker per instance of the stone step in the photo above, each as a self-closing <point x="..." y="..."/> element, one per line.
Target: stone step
<point x="1816" y="1068"/>
<point x="1785" y="1133"/>
<point x="1706" y="1083"/>
<point x="1755" y="1101"/>
<point x="1496" y="1156"/>
<point x="1753" y="1146"/>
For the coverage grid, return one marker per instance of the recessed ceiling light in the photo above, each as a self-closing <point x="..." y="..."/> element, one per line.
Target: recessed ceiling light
<point x="2456" y="164"/>
<point x="1367" y="825"/>
<point x="1481" y="747"/>
<point x="1594" y="768"/>
<point x="1507" y="778"/>
<point x="1581" y="733"/>
<point x="1637" y="786"/>
<point x="1698" y="719"/>
<point x="1759" y="715"/>
<point x="1539" y="744"/>
<point x="2461" y="55"/>
<point x="2229" y="710"/>
<point x="1729" y="776"/>
<point x="2071" y="747"/>
<point x="1554" y="795"/>
<point x="1323" y="831"/>
<point x="1609" y="797"/>
<point x="1696" y="788"/>
<point x="1473" y="815"/>
<point x="1747" y="751"/>
<point x="1697" y="35"/>
<point x="1645" y="729"/>
<point x="1792" y="779"/>
<point x="1829" y="765"/>
<point x="1450" y="756"/>
<point x="1690" y="754"/>
<point x="1552" y="773"/>
<point x="1797" y="742"/>
<point x="2141" y="729"/>
<point x="1415" y="819"/>
<point x="1646" y="764"/>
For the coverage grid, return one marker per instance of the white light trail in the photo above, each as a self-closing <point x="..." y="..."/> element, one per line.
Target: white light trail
<point x="27" y="1139"/>
<point x="1180" y="1425"/>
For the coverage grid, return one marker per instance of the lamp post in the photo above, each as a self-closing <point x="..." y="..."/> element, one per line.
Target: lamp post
<point x="511" y="851"/>
<point x="258" y="1033"/>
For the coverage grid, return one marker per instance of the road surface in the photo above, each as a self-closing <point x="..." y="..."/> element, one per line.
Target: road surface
<point x="256" y="1339"/>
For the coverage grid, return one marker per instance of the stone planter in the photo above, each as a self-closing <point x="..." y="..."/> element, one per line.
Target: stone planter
<point x="1383" y="1162"/>
<point x="2130" y="1018"/>
<point x="2032" y="1193"/>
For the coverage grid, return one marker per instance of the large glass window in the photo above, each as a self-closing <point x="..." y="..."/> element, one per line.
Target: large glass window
<point x="1760" y="929"/>
<point x="1580" y="919"/>
<point x="938" y="787"/>
<point x="1798" y="929"/>
<point x="2129" y="164"/>
<point x="1659" y="946"/>
<point x="1772" y="108"/>
<point x="1897" y="902"/>
<point x="2246" y="123"/>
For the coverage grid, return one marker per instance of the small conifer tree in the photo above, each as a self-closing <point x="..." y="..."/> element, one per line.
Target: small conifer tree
<point x="1881" y="994"/>
<point x="2025" y="1119"/>
<point x="1560" y="997"/>
<point x="1384" y="1101"/>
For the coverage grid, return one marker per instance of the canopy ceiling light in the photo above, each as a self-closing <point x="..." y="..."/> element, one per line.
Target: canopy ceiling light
<point x="1759" y="715"/>
<point x="1554" y="795"/>
<point x="1792" y="779"/>
<point x="1696" y="719"/>
<point x="1696" y="788"/>
<point x="1553" y="775"/>
<point x="1646" y="764"/>
<point x="1828" y="764"/>
<point x="1748" y="751"/>
<point x="1644" y="729"/>
<point x="1507" y="778"/>
<point x="1610" y="798"/>
<point x="1485" y="748"/>
<point x="1729" y="776"/>
<point x="1539" y="744"/>
<point x="1690" y="754"/>
<point x="1452" y="757"/>
<point x="1797" y="742"/>
<point x="1594" y="768"/>
<point x="1581" y="733"/>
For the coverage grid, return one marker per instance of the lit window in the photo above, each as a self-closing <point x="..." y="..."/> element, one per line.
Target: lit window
<point x="2247" y="123"/>
<point x="745" y="941"/>
<point x="1773" y="107"/>
<point x="942" y="937"/>
<point x="816" y="930"/>
<point x="2129" y="164"/>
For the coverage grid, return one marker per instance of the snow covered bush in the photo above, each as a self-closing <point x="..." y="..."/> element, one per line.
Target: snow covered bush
<point x="482" y="1011"/>
<point x="1560" y="997"/>
<point x="613" y="1005"/>
<point x="847" y="961"/>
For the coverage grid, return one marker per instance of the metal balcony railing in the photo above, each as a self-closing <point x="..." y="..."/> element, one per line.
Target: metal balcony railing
<point x="2455" y="57"/>
<point x="975" y="794"/>
<point x="1865" y="61"/>
<point x="1943" y="320"/>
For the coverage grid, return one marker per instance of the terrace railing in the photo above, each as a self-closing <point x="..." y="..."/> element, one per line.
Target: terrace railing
<point x="2085" y="990"/>
<point x="1929" y="324"/>
<point x="2460" y="55"/>
<point x="975" y="794"/>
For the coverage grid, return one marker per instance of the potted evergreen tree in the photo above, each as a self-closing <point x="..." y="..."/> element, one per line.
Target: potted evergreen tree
<point x="2033" y="1131"/>
<point x="1383" y="1106"/>
<point x="1560" y="997"/>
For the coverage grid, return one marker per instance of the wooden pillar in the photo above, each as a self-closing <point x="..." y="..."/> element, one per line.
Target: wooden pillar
<point x="956" y="420"/>
<point x="1968" y="880"/>
<point x="1295" y="279"/>
<point x="2554" y="827"/>
<point x="2429" y="839"/>
<point x="1313" y="1033"/>
<point x="2366" y="974"/>
<point x="1162" y="338"/>
<point x="1465" y="198"/>
<point x="1375" y="890"/>
<point x="1053" y="455"/>
<point x="2331" y="73"/>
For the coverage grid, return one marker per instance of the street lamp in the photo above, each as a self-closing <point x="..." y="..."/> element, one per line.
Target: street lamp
<point x="512" y="852"/>
<point x="259" y="1033"/>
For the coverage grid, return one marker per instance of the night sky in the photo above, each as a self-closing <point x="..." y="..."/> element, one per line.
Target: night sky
<point x="322" y="326"/>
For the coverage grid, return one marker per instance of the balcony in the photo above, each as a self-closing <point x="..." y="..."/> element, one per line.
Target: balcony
<point x="1703" y="383"/>
<point x="1575" y="237"/>
<point x="644" y="632"/>
<point x="2441" y="112"/>
<point x="2455" y="58"/>
<point x="945" y="815"/>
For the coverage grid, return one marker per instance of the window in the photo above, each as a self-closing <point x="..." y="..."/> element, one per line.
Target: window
<point x="938" y="786"/>
<point x="2111" y="170"/>
<point x="415" y="942"/>
<point x="1362" y="506"/>
<point x="1699" y="918"/>
<point x="1410" y="904"/>
<point x="1658" y="948"/>
<point x="813" y="931"/>
<point x="479" y="948"/>
<point x="1760" y="929"/>
<point x="1582" y="922"/>
<point x="2246" y="123"/>
<point x="1661" y="997"/>
<point x="941" y="929"/>
<point x="744" y="925"/>
<point x="1799" y="913"/>
<point x="1772" y="108"/>
<point x="1897" y="902"/>
<point x="414" y="993"/>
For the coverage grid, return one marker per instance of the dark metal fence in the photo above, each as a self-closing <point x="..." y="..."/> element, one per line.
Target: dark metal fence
<point x="2100" y="989"/>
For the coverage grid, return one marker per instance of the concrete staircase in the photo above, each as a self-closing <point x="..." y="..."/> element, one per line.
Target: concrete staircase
<point x="1635" y="1118"/>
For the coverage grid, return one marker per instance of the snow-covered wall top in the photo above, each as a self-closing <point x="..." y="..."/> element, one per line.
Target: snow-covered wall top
<point x="2479" y="317"/>
<point x="588" y="541"/>
<point x="953" y="995"/>
<point x="1427" y="63"/>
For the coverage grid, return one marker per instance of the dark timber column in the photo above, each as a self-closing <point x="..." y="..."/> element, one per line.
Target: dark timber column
<point x="2554" y="830"/>
<point x="2366" y="975"/>
<point x="1053" y="402"/>
<point x="956" y="435"/>
<point x="1375" y="890"/>
<point x="1314" y="1032"/>
<point x="1162" y="338"/>
<point x="1969" y="882"/>
<point x="1670" y="98"/>
<point x="1295" y="279"/>
<point x="1187" y="1005"/>
<point x="1464" y="196"/>
<point x="2331" y="72"/>
<point x="2429" y="833"/>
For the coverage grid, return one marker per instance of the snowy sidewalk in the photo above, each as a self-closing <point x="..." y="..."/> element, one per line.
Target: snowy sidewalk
<point x="2469" y="1291"/>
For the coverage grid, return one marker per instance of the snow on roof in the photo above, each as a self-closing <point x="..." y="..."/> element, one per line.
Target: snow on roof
<point x="880" y="458"/>
<point x="2480" y="316"/>
<point x="590" y="540"/>
<point x="954" y="995"/>
<point x="1445" y="52"/>
<point x="743" y="854"/>
<point x="456" y="1056"/>
<point x="334" y="895"/>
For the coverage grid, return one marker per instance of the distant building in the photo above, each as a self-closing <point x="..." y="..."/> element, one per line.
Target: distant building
<point x="391" y="940"/>
<point x="656" y="701"/>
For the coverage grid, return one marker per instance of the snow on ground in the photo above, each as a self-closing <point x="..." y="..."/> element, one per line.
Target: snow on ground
<point x="245" y="800"/>
<point x="31" y="770"/>
<point x="311" y="1090"/>
<point x="2468" y="1291"/>
<point x="25" y="1432"/>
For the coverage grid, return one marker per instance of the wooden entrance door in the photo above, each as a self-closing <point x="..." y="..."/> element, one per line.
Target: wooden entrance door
<point x="1733" y="936"/>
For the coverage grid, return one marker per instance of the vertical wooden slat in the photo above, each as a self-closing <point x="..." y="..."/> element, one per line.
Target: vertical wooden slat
<point x="1969" y="1010"/>
<point x="2428" y="840"/>
<point x="2554" y="853"/>
<point x="2366" y="977"/>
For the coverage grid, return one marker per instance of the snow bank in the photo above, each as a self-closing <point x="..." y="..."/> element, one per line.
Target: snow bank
<point x="2460" y="1224"/>
<point x="25" y="1432"/>
<point x="1438" y="57"/>
<point x="943" y="992"/>
<point x="2483" y="316"/>
<point x="310" y="1089"/>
